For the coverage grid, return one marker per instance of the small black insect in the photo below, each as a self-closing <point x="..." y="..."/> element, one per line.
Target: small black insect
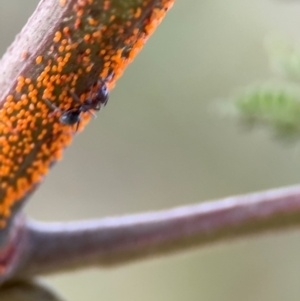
<point x="93" y="102"/>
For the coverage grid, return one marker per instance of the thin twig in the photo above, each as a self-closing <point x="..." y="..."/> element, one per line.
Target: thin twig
<point x="55" y="247"/>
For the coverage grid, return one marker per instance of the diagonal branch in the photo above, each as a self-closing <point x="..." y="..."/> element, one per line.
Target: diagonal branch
<point x="64" y="49"/>
<point x="67" y="48"/>
<point x="55" y="247"/>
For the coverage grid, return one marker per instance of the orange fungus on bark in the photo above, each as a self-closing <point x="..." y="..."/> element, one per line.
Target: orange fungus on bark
<point x="95" y="39"/>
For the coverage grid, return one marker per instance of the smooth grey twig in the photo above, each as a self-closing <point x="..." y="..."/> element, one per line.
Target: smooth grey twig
<point x="55" y="247"/>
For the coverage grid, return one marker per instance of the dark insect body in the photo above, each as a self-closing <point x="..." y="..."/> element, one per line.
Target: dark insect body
<point x="73" y="115"/>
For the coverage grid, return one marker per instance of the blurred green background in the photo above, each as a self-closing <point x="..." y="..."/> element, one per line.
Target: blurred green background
<point x="161" y="142"/>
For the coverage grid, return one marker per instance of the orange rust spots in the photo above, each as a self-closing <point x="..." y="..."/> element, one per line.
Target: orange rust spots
<point x="62" y="3"/>
<point x="52" y="78"/>
<point x="9" y="98"/>
<point x="68" y="47"/>
<point x="58" y="155"/>
<point x="74" y="45"/>
<point x="33" y="99"/>
<point x="4" y="185"/>
<point x="61" y="48"/>
<point x="19" y="88"/>
<point x="96" y="35"/>
<point x="47" y="69"/>
<point x="135" y="31"/>
<point x="81" y="2"/>
<point x="86" y="59"/>
<point x="39" y="59"/>
<point x="31" y="135"/>
<point x="59" y="68"/>
<point x="106" y="64"/>
<point x="28" y="81"/>
<point x="12" y="119"/>
<point x="66" y="30"/>
<point x="89" y="68"/>
<point x="25" y="101"/>
<point x="106" y="5"/>
<point x="21" y="79"/>
<point x="24" y="55"/>
<point x="9" y="111"/>
<point x="57" y="37"/>
<point x="80" y="12"/>
<point x="6" y="105"/>
<point x="138" y="13"/>
<point x="77" y="23"/>
<point x="87" y="37"/>
<point x="93" y="22"/>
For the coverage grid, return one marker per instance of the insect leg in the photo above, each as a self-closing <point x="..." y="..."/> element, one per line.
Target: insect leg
<point x="77" y="125"/>
<point x="74" y="95"/>
<point x="52" y="106"/>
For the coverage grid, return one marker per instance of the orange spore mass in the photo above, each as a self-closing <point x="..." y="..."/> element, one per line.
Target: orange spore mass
<point x="31" y="135"/>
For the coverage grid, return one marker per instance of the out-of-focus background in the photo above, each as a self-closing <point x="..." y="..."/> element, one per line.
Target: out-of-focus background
<point x="161" y="142"/>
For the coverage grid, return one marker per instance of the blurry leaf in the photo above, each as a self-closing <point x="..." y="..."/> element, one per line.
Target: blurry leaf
<point x="284" y="57"/>
<point x="275" y="106"/>
<point x="26" y="291"/>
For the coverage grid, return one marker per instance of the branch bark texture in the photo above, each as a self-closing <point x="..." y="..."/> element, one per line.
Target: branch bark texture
<point x="56" y="247"/>
<point x="65" y="47"/>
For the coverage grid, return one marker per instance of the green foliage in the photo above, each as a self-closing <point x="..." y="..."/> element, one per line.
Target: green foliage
<point x="284" y="58"/>
<point x="276" y="105"/>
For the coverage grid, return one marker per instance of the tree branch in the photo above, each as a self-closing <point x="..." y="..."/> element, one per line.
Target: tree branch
<point x="64" y="48"/>
<point x="27" y="291"/>
<point x="55" y="247"/>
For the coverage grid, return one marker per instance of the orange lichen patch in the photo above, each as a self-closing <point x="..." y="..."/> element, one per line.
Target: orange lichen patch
<point x="138" y="13"/>
<point x="39" y="59"/>
<point x="106" y="5"/>
<point x="77" y="23"/>
<point x="57" y="37"/>
<point x="93" y="22"/>
<point x="87" y="37"/>
<point x="86" y="44"/>
<point x="62" y="2"/>
<point x="79" y="12"/>
<point x="112" y="18"/>
<point x="81" y="2"/>
<point x="66" y="31"/>
<point x="9" y="98"/>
